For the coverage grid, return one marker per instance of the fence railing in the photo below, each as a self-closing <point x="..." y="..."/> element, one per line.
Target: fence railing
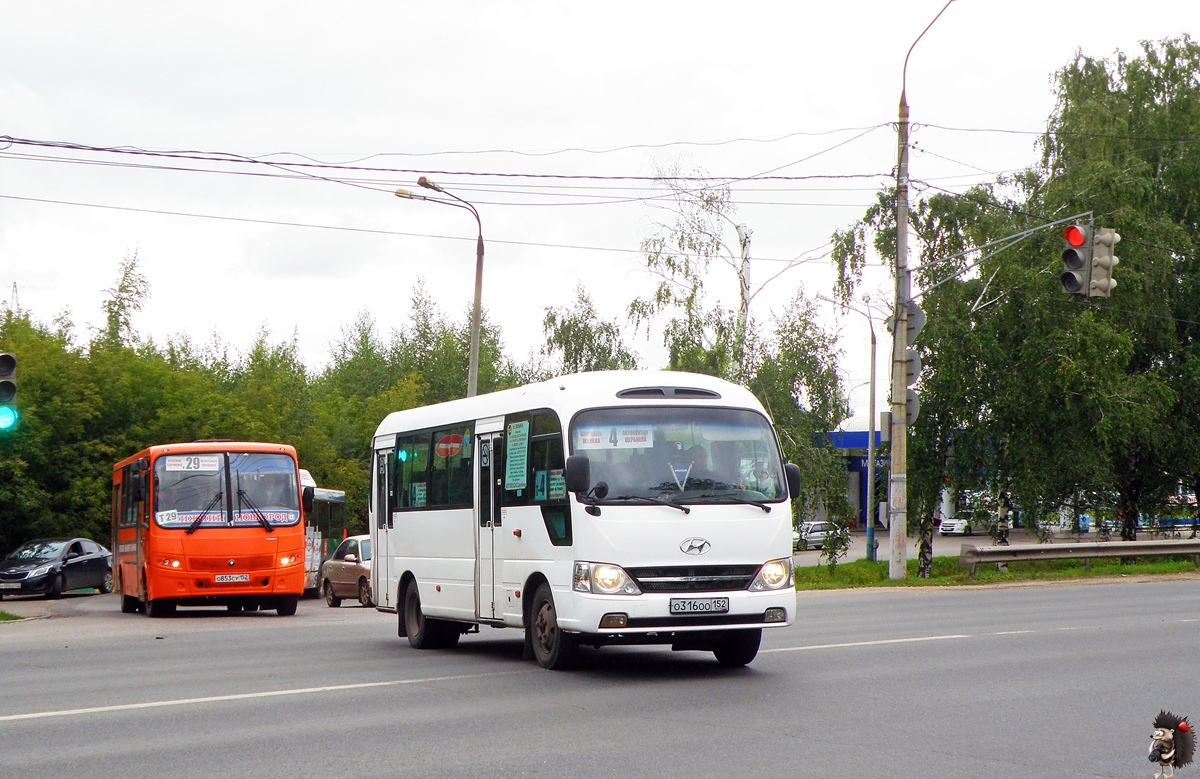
<point x="971" y="555"/>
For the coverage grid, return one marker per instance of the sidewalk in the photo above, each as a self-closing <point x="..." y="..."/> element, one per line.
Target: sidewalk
<point x="40" y="606"/>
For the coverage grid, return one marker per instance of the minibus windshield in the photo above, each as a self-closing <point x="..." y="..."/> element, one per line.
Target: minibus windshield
<point x="685" y="454"/>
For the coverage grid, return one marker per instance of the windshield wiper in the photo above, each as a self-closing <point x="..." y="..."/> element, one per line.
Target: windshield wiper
<point x="196" y="522"/>
<point x="242" y="496"/>
<point x="747" y="501"/>
<point x="656" y="501"/>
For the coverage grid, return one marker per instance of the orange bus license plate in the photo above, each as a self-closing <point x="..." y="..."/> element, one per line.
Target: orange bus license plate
<point x="231" y="577"/>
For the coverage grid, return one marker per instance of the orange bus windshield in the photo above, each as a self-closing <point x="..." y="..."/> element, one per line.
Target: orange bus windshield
<point x="197" y="490"/>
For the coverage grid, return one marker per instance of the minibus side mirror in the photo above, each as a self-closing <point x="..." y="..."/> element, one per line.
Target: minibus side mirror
<point x="791" y="472"/>
<point x="136" y="484"/>
<point x="307" y="498"/>
<point x="578" y="473"/>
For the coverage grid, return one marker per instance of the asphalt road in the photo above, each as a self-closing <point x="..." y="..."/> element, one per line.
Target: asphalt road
<point x="998" y="682"/>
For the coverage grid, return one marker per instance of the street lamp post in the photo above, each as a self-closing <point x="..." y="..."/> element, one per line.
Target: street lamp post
<point x="473" y="360"/>
<point x="871" y="452"/>
<point x="897" y="482"/>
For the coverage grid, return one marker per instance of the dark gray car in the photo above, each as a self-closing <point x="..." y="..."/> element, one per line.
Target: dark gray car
<point x="52" y="566"/>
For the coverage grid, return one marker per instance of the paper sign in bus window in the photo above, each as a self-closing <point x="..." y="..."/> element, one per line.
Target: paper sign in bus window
<point x="615" y="437"/>
<point x="539" y="485"/>
<point x="516" y="457"/>
<point x="556" y="485"/>
<point x="194" y="462"/>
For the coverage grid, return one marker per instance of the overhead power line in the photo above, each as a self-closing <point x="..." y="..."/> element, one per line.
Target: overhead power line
<point x="228" y="157"/>
<point x="365" y="230"/>
<point x="583" y="150"/>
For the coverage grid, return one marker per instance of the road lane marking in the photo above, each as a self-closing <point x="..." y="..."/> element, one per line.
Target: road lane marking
<point x="880" y="642"/>
<point x="246" y="696"/>
<point x="884" y="642"/>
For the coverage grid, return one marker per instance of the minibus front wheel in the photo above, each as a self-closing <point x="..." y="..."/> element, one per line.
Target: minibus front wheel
<point x="553" y="647"/>
<point x="737" y="647"/>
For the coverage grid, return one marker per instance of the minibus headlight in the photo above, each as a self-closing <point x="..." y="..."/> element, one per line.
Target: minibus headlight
<point x="608" y="578"/>
<point x="604" y="579"/>
<point x="289" y="559"/>
<point x="774" y="575"/>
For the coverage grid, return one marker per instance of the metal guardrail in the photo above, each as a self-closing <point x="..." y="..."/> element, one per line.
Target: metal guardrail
<point x="971" y="555"/>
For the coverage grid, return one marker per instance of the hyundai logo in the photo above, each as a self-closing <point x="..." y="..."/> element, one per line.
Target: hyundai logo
<point x="695" y="546"/>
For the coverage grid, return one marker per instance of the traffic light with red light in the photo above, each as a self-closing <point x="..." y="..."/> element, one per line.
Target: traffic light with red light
<point x="1076" y="274"/>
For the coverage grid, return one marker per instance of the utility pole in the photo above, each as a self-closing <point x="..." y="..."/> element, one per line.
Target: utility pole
<point x="743" y="234"/>
<point x="897" y="481"/>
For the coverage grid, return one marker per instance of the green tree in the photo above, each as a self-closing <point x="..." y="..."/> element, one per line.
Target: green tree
<point x="49" y="471"/>
<point x="126" y="298"/>
<point x="439" y="350"/>
<point x="1035" y="392"/>
<point x="797" y="380"/>
<point x="701" y="334"/>
<point x="579" y="341"/>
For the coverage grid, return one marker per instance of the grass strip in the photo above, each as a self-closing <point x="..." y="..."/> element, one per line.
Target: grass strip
<point x="946" y="572"/>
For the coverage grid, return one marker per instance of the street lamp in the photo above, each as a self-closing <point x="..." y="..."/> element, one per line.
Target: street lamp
<point x="897" y="482"/>
<point x="871" y="438"/>
<point x="473" y="364"/>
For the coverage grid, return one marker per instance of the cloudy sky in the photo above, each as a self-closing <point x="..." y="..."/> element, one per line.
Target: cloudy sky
<point x="551" y="117"/>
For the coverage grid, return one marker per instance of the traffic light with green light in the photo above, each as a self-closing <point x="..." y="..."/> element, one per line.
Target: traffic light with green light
<point x="8" y="391"/>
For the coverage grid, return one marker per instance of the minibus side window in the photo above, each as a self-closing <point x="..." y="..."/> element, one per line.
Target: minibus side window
<point x="533" y="474"/>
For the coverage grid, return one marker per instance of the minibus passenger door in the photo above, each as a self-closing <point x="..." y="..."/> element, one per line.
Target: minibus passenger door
<point x="489" y="484"/>
<point x="381" y="589"/>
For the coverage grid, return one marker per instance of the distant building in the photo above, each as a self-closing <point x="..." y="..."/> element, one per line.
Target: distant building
<point x="853" y="437"/>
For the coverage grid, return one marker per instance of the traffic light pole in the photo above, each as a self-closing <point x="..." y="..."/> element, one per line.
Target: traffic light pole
<point x="897" y="480"/>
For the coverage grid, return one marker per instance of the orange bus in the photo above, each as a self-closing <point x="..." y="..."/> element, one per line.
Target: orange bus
<point x="209" y="523"/>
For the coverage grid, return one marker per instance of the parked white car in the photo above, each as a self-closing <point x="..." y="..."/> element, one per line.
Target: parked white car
<point x="956" y="527"/>
<point x="813" y="534"/>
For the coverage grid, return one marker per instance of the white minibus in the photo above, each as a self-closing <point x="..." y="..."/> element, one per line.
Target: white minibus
<point x="611" y="507"/>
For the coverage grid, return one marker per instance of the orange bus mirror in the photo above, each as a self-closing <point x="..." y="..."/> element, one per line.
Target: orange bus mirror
<point x="136" y="483"/>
